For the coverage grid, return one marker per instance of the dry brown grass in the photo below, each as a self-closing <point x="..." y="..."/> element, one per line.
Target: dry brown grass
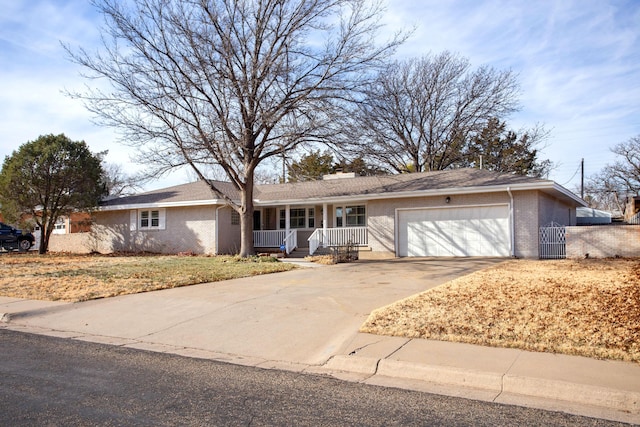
<point x="322" y="259"/>
<point x="579" y="307"/>
<point x="85" y="277"/>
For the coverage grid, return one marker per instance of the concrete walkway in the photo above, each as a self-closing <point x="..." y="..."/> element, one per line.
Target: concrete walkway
<point x="307" y="320"/>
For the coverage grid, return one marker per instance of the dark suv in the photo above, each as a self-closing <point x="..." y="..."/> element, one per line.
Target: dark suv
<point x="12" y="239"/>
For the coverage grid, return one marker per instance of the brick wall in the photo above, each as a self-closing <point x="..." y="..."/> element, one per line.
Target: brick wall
<point x="526" y="212"/>
<point x="603" y="241"/>
<point x="188" y="229"/>
<point x="78" y="243"/>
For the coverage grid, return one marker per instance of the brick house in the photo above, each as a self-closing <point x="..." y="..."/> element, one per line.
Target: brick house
<point x="463" y="212"/>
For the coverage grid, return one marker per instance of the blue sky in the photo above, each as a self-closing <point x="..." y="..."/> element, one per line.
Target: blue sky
<point x="578" y="64"/>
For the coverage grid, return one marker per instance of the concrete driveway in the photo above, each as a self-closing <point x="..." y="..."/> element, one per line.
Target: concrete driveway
<point x="303" y="316"/>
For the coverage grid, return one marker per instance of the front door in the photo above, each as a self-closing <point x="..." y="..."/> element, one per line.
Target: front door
<point x="257" y="220"/>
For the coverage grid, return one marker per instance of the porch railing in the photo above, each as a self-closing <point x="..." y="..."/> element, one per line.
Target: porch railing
<point x="275" y="239"/>
<point x="291" y="241"/>
<point x="358" y="236"/>
<point x="268" y="238"/>
<point x="315" y="240"/>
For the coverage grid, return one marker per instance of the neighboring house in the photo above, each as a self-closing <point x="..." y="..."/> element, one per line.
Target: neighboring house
<point x="589" y="216"/>
<point x="77" y="222"/>
<point x="632" y="211"/>
<point x="463" y="212"/>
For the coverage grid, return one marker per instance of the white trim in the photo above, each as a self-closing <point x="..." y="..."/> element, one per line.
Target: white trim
<point x="147" y="206"/>
<point x="162" y="219"/>
<point x="325" y="220"/>
<point x="512" y="221"/>
<point x="133" y="220"/>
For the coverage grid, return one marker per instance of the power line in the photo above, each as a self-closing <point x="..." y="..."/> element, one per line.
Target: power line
<point x="573" y="176"/>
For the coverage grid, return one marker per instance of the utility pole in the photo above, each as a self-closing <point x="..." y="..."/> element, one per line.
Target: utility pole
<point x="582" y="179"/>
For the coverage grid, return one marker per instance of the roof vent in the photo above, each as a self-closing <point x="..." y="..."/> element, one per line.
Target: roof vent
<point x="339" y="175"/>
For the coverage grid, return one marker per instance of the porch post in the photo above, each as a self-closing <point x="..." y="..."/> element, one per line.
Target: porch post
<point x="287" y="216"/>
<point x="325" y="217"/>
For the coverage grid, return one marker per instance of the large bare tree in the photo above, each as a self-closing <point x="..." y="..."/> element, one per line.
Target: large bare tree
<point x="229" y="83"/>
<point x="419" y="113"/>
<point x="610" y="188"/>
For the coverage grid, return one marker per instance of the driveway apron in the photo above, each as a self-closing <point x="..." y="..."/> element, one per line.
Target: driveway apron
<point x="301" y="316"/>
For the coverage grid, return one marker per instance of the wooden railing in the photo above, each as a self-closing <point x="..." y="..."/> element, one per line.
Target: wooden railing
<point x="291" y="241"/>
<point x="275" y="239"/>
<point x="357" y="236"/>
<point x="268" y="238"/>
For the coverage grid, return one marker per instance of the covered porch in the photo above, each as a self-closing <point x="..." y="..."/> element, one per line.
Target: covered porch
<point x="320" y="238"/>
<point x="289" y="227"/>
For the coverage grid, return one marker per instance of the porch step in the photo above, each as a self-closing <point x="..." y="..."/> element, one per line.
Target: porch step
<point x="299" y="253"/>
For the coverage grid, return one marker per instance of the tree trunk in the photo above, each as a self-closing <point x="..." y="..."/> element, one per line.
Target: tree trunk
<point x="45" y="234"/>
<point x="246" y="219"/>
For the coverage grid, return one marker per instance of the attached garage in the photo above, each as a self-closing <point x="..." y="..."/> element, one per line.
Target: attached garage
<point x="454" y="231"/>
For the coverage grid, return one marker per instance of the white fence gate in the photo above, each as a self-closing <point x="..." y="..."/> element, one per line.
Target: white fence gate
<point x="552" y="242"/>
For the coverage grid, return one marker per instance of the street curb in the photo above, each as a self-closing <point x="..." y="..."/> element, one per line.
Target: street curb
<point x="491" y="381"/>
<point x="494" y="382"/>
<point x="359" y="365"/>
<point x="584" y="394"/>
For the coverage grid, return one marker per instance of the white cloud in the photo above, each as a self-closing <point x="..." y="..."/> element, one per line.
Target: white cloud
<point x="577" y="63"/>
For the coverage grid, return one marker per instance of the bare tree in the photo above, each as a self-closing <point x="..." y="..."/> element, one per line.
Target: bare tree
<point x="118" y="183"/>
<point x="626" y="170"/>
<point x="419" y="113"/>
<point x="229" y="83"/>
<point x="609" y="188"/>
<point x="602" y="192"/>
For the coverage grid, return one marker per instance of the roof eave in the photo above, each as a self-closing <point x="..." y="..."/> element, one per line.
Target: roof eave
<point x="161" y="205"/>
<point x="546" y="186"/>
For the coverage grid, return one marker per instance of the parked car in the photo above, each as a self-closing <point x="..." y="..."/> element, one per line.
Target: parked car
<point x="13" y="239"/>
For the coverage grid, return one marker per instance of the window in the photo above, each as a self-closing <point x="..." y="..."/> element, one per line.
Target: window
<point x="296" y="218"/>
<point x="235" y="218"/>
<point x="351" y="216"/>
<point x="355" y="216"/>
<point x="60" y="228"/>
<point x="311" y="218"/>
<point x="151" y="219"/>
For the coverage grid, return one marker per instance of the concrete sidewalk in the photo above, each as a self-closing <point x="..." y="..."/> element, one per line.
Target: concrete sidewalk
<point x="307" y="320"/>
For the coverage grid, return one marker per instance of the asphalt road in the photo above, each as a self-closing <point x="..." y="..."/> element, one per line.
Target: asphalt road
<point x="53" y="381"/>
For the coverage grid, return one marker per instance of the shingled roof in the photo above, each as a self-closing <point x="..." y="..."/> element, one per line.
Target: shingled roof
<point x="185" y="194"/>
<point x="390" y="184"/>
<point x="368" y="187"/>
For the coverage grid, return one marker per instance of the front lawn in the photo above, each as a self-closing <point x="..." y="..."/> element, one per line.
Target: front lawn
<point x="84" y="277"/>
<point x="581" y="307"/>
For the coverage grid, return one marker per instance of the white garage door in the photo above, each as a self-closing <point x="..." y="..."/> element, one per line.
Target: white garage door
<point x="455" y="231"/>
